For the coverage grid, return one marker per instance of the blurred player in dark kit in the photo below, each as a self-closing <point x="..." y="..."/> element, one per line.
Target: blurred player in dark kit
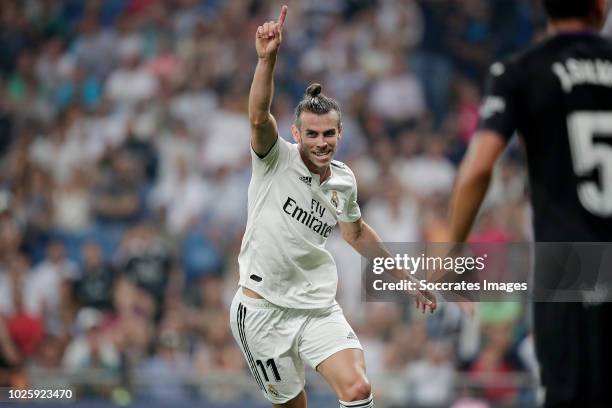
<point x="558" y="96"/>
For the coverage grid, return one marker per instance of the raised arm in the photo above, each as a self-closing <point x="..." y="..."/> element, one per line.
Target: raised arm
<point x="263" y="125"/>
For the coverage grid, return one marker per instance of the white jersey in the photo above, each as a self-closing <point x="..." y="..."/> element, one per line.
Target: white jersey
<point x="290" y="217"/>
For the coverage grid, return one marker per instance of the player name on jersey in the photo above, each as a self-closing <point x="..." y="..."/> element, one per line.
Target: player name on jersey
<point x="308" y="218"/>
<point x="574" y="72"/>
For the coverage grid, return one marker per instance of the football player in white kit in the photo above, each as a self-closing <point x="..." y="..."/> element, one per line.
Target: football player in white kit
<point x="284" y="312"/>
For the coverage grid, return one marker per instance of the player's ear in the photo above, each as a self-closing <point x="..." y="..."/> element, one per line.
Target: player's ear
<point x="339" y="130"/>
<point x="296" y="133"/>
<point x="601" y="11"/>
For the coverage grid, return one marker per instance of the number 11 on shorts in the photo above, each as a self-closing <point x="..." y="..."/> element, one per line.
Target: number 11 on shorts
<point x="270" y="363"/>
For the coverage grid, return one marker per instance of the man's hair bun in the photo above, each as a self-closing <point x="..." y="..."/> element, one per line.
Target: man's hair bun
<point x="316" y="102"/>
<point x="314" y="90"/>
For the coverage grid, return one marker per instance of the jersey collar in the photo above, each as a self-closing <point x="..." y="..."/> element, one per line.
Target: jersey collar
<point x="316" y="178"/>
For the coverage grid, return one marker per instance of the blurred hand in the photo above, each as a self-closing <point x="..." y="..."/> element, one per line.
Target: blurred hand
<point x="424" y="300"/>
<point x="448" y="249"/>
<point x="269" y="36"/>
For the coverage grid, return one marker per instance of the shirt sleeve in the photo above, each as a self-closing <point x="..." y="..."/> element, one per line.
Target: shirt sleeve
<point x="498" y="108"/>
<point x="351" y="212"/>
<point x="272" y="162"/>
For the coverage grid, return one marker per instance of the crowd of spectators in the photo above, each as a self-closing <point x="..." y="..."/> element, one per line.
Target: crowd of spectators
<point x="124" y="167"/>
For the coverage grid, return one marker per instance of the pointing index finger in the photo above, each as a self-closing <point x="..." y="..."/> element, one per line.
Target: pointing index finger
<point x="281" y="17"/>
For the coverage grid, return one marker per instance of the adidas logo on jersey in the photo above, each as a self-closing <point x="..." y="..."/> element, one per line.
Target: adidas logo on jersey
<point x="306" y="179"/>
<point x="351" y="336"/>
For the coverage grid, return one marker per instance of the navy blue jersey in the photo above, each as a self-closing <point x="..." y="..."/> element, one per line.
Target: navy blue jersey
<point x="558" y="96"/>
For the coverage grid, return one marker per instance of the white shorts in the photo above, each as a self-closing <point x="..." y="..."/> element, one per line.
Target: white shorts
<point x="277" y="341"/>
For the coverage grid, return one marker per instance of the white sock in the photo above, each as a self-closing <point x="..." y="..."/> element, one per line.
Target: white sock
<point x="366" y="403"/>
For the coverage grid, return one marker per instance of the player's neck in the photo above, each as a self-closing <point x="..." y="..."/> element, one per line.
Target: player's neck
<point x="570" y="26"/>
<point x="326" y="173"/>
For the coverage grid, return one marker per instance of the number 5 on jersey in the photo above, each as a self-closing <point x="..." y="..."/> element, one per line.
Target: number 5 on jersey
<point x="587" y="155"/>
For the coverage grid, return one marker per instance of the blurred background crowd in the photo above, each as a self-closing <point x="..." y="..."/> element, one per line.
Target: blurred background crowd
<point x="124" y="166"/>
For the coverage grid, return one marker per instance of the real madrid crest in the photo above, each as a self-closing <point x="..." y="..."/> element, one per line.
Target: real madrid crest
<point x="272" y="390"/>
<point x="334" y="198"/>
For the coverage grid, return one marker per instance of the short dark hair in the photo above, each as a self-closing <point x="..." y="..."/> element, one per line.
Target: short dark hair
<point x="316" y="102"/>
<point x="563" y="9"/>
